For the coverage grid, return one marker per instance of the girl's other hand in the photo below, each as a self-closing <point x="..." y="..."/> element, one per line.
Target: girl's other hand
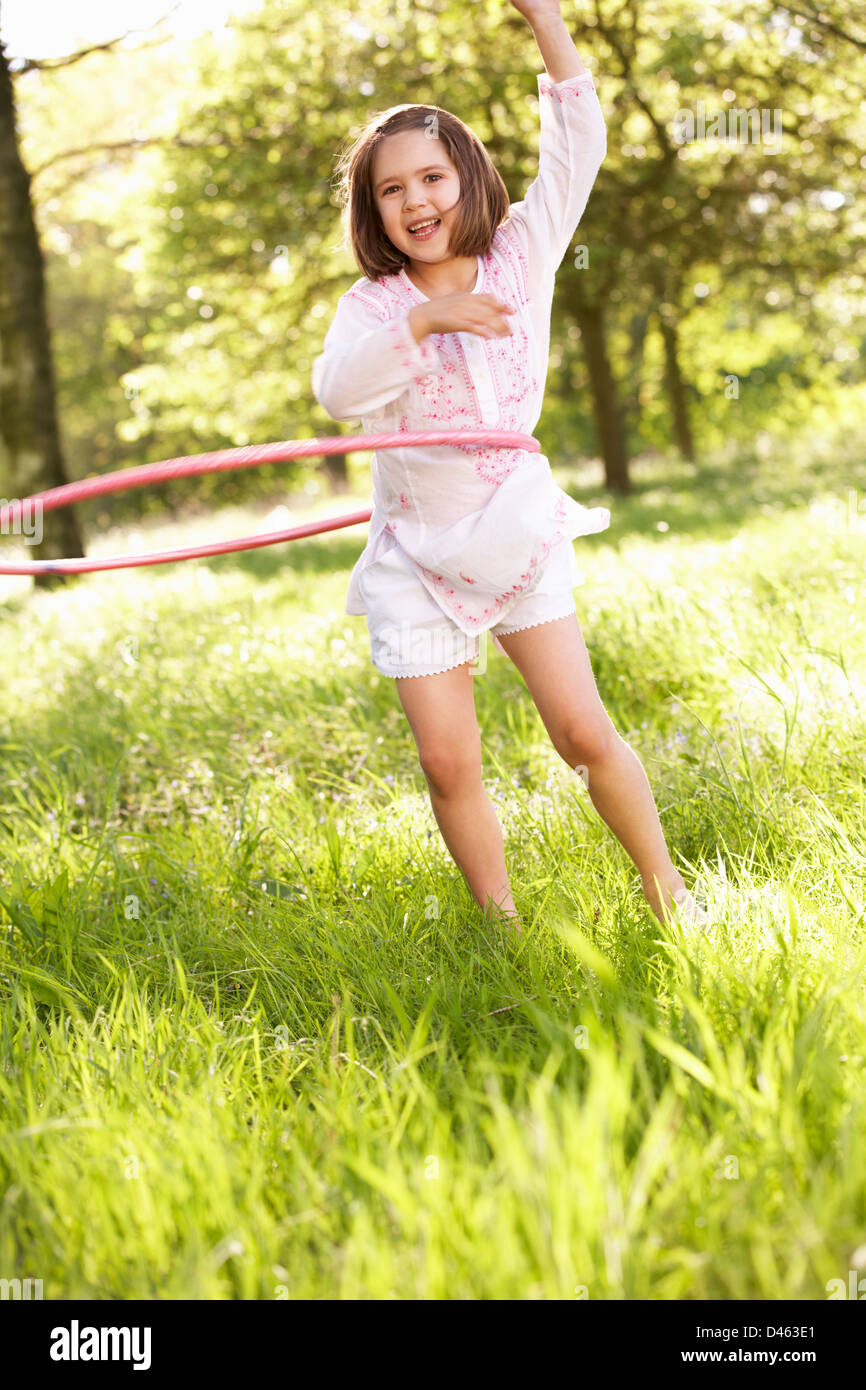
<point x="467" y="313"/>
<point x="536" y="9"/>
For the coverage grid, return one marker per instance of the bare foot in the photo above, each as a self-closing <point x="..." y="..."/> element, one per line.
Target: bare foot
<point x="689" y="910"/>
<point x="507" y="922"/>
<point x="678" y="902"/>
<point x="672" y="884"/>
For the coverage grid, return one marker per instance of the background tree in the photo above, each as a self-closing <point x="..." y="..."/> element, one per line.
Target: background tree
<point x="28" y="409"/>
<point x="29" y="429"/>
<point x="191" y="234"/>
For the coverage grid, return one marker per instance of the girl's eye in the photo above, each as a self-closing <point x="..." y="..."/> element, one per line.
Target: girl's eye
<point x="394" y="185"/>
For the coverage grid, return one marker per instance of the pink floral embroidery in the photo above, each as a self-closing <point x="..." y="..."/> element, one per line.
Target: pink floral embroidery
<point x="402" y="341"/>
<point x="546" y="87"/>
<point x="404" y="502"/>
<point x="506" y="243"/>
<point x="494" y="465"/>
<point x="370" y="301"/>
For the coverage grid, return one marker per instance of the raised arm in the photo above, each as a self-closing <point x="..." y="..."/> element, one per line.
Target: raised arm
<point x="558" y="53"/>
<point x="572" y="145"/>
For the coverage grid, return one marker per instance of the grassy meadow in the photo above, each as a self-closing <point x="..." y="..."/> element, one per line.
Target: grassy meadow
<point x="257" y="1040"/>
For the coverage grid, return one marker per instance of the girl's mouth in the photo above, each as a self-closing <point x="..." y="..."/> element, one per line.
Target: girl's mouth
<point x="426" y="232"/>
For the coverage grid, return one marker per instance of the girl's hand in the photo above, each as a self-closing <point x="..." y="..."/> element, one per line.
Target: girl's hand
<point x="465" y="313"/>
<point x="537" y="9"/>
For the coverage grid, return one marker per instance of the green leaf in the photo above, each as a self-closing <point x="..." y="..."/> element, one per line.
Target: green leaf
<point x="20" y="914"/>
<point x="587" y="954"/>
<point x="332" y="837"/>
<point x="47" y="988"/>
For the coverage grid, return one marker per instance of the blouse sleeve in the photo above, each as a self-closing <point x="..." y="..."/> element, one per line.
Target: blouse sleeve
<point x="572" y="145"/>
<point x="365" y="364"/>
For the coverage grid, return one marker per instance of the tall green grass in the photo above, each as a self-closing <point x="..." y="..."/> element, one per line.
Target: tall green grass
<point x="257" y="1040"/>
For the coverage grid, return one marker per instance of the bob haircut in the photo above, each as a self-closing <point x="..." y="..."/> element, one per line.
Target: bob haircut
<point x="483" y="201"/>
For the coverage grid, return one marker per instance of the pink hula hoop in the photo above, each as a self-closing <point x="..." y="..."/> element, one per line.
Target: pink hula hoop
<point x="226" y="460"/>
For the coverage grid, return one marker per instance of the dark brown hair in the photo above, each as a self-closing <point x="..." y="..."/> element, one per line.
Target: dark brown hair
<point x="483" y="196"/>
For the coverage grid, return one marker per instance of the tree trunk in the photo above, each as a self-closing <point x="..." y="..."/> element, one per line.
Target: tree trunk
<point x="682" y="430"/>
<point x="334" y="470"/>
<point x="637" y="332"/>
<point x="28" y="407"/>
<point x="606" y="408"/>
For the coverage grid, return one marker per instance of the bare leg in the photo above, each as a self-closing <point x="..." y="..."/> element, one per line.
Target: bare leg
<point x="441" y="713"/>
<point x="553" y="660"/>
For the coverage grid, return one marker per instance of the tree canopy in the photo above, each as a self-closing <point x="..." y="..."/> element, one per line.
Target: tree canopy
<point x="192" y="244"/>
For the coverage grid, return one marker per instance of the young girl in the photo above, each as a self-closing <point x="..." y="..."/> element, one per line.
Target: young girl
<point x="449" y="329"/>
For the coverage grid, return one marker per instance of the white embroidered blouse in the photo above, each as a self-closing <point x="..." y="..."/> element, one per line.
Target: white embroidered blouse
<point x="477" y="522"/>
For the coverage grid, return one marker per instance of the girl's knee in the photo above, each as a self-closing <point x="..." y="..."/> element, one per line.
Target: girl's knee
<point x="588" y="742"/>
<point x="449" y="769"/>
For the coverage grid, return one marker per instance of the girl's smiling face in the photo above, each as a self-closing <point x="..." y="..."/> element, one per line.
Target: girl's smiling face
<point x="415" y="181"/>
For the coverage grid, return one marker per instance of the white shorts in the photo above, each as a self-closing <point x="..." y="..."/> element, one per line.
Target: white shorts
<point x="411" y="636"/>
